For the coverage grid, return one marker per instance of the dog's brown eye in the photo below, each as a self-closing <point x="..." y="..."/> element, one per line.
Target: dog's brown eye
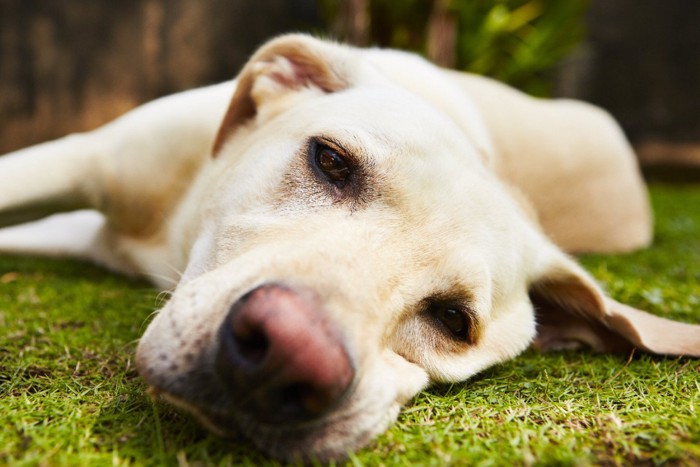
<point x="333" y="165"/>
<point x="454" y="320"/>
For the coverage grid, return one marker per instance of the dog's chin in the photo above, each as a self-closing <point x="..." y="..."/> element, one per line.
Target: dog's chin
<point x="330" y="439"/>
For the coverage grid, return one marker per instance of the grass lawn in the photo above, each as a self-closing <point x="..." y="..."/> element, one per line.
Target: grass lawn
<point x="69" y="394"/>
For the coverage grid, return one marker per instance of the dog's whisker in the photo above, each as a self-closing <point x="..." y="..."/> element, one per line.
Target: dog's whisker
<point x="161" y="278"/>
<point x="178" y="272"/>
<point x="162" y="297"/>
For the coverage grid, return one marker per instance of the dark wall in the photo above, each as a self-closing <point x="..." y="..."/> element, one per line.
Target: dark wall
<point x="641" y="61"/>
<point x="69" y="66"/>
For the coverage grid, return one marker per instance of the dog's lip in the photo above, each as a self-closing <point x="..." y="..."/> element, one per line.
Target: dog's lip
<point x="226" y="421"/>
<point x="215" y="423"/>
<point x="293" y="442"/>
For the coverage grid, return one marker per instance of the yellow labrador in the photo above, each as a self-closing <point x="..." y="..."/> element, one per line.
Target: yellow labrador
<point x="352" y="225"/>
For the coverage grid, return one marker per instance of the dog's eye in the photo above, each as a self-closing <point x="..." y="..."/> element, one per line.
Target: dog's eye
<point x="333" y="165"/>
<point x="454" y="320"/>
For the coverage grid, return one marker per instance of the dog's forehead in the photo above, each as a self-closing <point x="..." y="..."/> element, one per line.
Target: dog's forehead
<point x="387" y="122"/>
<point x="416" y="150"/>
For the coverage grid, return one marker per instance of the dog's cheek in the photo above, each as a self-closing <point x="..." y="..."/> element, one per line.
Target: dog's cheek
<point x="408" y="378"/>
<point x="503" y="338"/>
<point x="182" y="334"/>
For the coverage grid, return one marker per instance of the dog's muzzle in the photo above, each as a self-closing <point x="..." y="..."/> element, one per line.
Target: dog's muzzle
<point x="280" y="358"/>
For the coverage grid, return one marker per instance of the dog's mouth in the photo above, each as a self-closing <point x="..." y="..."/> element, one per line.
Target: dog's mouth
<point x="276" y="372"/>
<point x="331" y="437"/>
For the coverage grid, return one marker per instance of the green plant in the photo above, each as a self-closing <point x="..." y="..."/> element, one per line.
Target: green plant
<point x="519" y="42"/>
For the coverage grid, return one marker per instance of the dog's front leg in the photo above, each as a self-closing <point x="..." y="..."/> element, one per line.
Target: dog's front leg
<point x="134" y="171"/>
<point x="48" y="178"/>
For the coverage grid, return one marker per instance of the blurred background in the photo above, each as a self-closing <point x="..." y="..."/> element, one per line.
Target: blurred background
<point x="71" y="66"/>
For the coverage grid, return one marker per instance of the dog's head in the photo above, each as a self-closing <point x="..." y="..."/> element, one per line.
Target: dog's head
<point x="347" y="246"/>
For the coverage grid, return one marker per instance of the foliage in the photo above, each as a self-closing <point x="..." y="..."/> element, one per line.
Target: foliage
<point x="69" y="394"/>
<point x="519" y="42"/>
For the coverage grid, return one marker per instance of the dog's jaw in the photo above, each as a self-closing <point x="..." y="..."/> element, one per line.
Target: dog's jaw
<point x="326" y="440"/>
<point x="364" y="414"/>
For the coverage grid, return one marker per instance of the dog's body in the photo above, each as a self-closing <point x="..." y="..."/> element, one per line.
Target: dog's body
<point x="367" y="224"/>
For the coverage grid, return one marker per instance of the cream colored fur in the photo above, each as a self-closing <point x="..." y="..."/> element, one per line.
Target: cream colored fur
<point x="467" y="189"/>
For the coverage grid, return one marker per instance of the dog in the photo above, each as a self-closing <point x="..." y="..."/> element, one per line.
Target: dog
<point x="345" y="227"/>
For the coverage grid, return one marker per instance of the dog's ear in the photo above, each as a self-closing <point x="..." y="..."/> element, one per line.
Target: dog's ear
<point x="571" y="310"/>
<point x="279" y="70"/>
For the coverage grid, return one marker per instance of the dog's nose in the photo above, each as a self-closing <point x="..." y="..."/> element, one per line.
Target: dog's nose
<point x="280" y="357"/>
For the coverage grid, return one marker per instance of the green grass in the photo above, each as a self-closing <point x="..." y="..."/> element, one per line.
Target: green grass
<point x="69" y="394"/>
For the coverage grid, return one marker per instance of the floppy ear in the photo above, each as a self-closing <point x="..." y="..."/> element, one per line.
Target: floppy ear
<point x="571" y="310"/>
<point x="280" y="69"/>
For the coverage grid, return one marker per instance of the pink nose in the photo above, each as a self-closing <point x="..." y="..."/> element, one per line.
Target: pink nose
<point x="280" y="357"/>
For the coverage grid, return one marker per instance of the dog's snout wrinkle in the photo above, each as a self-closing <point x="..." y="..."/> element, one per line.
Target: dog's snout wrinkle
<point x="280" y="358"/>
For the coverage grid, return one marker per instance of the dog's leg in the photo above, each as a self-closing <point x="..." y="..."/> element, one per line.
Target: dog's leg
<point x="134" y="171"/>
<point x="67" y="234"/>
<point x="142" y="155"/>
<point x="124" y="169"/>
<point x="82" y="234"/>
<point x="47" y="178"/>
